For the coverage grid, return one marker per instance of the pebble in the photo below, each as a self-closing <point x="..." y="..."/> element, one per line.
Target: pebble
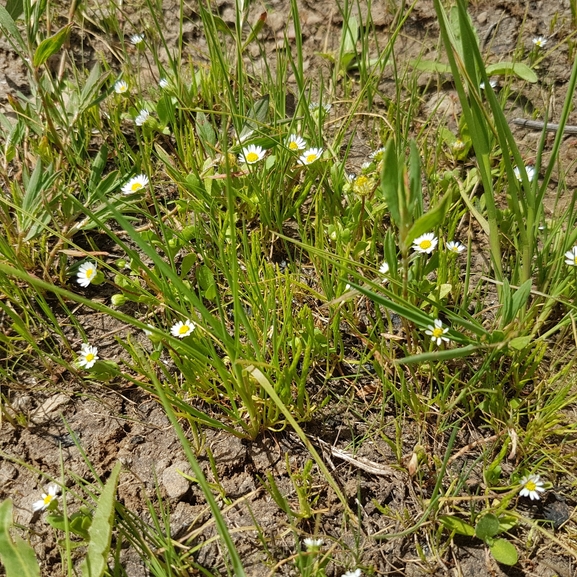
<point x="174" y="483"/>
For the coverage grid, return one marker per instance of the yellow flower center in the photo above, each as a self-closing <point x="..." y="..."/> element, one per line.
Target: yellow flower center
<point x="47" y="499"/>
<point x="293" y="145"/>
<point x="425" y="244"/>
<point x="252" y="157"/>
<point x="136" y="186"/>
<point x="89" y="272"/>
<point x="437" y="332"/>
<point x="183" y="329"/>
<point x="530" y="486"/>
<point x="575" y="259"/>
<point x="89" y="357"/>
<point x="311" y="158"/>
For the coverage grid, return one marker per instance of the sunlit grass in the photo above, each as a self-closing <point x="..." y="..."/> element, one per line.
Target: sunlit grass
<point x="272" y="283"/>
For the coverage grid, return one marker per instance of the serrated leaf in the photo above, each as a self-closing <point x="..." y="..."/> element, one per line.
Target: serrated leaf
<point x="100" y="531"/>
<point x="457" y="525"/>
<point x="17" y="556"/>
<point x="517" y="68"/>
<point x="50" y="46"/>
<point x="487" y="527"/>
<point x="504" y="552"/>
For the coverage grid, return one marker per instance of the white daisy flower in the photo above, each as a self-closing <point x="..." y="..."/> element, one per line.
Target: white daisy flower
<point x="295" y="142"/>
<point x="313" y="543"/>
<point x="540" y="41"/>
<point x="492" y="83"/>
<point x="137" y="39"/>
<point x="47" y="498"/>
<point x="455" y="246"/>
<point x="377" y="154"/>
<point x="311" y="155"/>
<point x="251" y="154"/>
<point x="436" y="331"/>
<point x="182" y="329"/>
<point x="458" y="145"/>
<point x="571" y="257"/>
<point x="141" y="118"/>
<point x="86" y="273"/>
<point x="163" y="83"/>
<point x="135" y="184"/>
<point x="532" y="486"/>
<point x="425" y="243"/>
<point x="530" y="170"/>
<point x="88" y="356"/>
<point x="315" y="106"/>
<point x="121" y="87"/>
<point x="355" y="573"/>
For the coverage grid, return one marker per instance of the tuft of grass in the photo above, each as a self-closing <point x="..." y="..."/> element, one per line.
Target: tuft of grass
<point x="300" y="275"/>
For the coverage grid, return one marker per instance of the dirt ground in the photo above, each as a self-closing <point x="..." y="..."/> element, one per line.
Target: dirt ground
<point x="120" y="422"/>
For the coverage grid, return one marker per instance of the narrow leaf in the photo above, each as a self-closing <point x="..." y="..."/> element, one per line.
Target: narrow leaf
<point x="100" y="531"/>
<point x="430" y="220"/>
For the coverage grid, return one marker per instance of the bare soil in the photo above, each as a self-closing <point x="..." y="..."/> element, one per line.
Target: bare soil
<point x="120" y="422"/>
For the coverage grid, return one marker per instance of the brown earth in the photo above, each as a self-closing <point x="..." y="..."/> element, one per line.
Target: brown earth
<point x="119" y="422"/>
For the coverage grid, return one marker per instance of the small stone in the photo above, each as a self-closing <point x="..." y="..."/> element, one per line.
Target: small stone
<point x="482" y="18"/>
<point x="175" y="484"/>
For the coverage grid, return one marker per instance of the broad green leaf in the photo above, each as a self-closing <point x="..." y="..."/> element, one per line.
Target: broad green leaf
<point x="519" y="343"/>
<point x="430" y="66"/>
<point x="17" y="556"/>
<point x="10" y="30"/>
<point x="517" y="68"/>
<point x="430" y="220"/>
<point x="98" y="165"/>
<point x="100" y="531"/>
<point x="50" y="46"/>
<point x="390" y="182"/>
<point x="504" y="552"/>
<point x="520" y="297"/>
<point x="415" y="202"/>
<point x="166" y="109"/>
<point x="35" y="213"/>
<point x="15" y="8"/>
<point x="457" y="525"/>
<point x="351" y="35"/>
<point x="257" y="116"/>
<point x="205" y="132"/>
<point x="487" y="527"/>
